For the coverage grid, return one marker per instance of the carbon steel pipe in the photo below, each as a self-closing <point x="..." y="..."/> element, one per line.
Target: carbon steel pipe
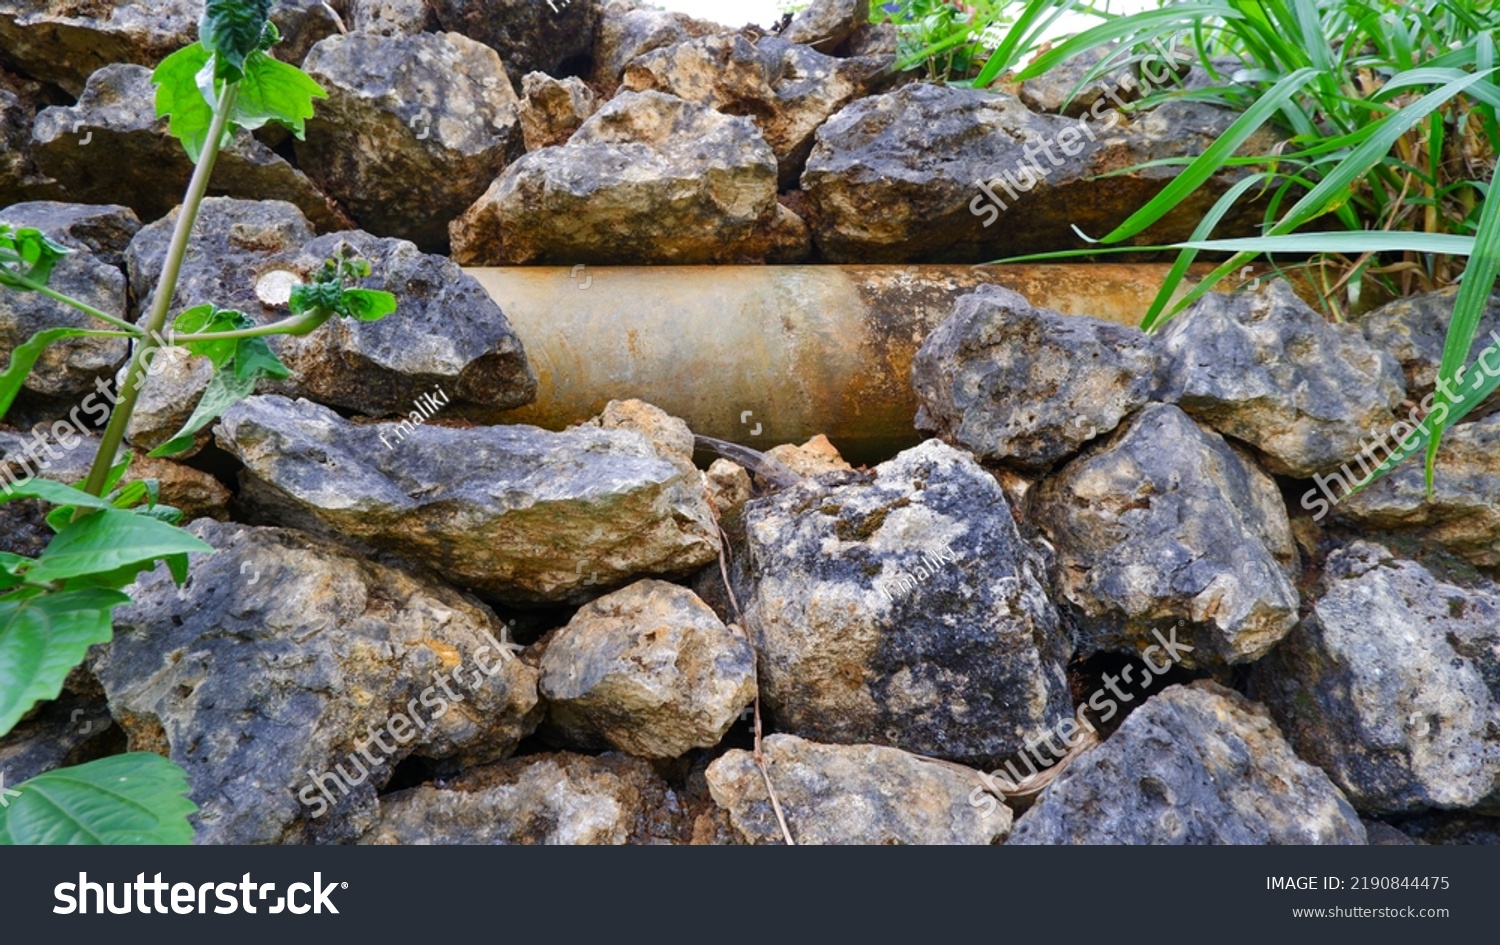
<point x="762" y="355"/>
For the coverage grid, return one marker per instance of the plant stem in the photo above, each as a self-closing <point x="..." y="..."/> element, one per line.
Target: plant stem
<point x="166" y="286"/>
<point x="300" y="325"/>
<point x="81" y="306"/>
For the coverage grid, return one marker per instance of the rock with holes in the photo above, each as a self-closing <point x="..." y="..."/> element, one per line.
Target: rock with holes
<point x="1392" y="684"/>
<point x="786" y="89"/>
<point x="414" y="128"/>
<point x="445" y="334"/>
<point x="903" y="608"/>
<point x="1414" y="330"/>
<point x="70" y="367"/>
<point x="1269" y="371"/>
<point x="936" y="173"/>
<point x="111" y="148"/>
<point x="826" y="24"/>
<point x="628" y="29"/>
<point x="851" y="794"/>
<point x="513" y="512"/>
<point x="649" y="670"/>
<point x="64" y="41"/>
<point x="556" y="38"/>
<point x="1026" y="386"/>
<point x="552" y="799"/>
<point x="288" y="677"/>
<point x="1463" y="512"/>
<point x="552" y="109"/>
<point x="391" y="17"/>
<point x="1194" y="765"/>
<point x="650" y="178"/>
<point x="1164" y="521"/>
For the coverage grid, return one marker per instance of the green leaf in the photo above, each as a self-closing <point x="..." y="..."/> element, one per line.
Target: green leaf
<point x="254" y="359"/>
<point x="54" y="492"/>
<point x="307" y="296"/>
<point x="368" y="305"/>
<point x="224" y="391"/>
<point x="232" y="30"/>
<point x="34" y="251"/>
<point x="109" y="539"/>
<point x="178" y="95"/>
<point x="272" y="90"/>
<point x="25" y="356"/>
<point x="209" y="318"/>
<point x="135" y="798"/>
<point x="42" y="638"/>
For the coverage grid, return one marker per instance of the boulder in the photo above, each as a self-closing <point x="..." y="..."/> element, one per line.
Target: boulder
<point x="897" y="177"/>
<point x="1027" y="386"/>
<point x="111" y="148"/>
<point x="1414" y="330"/>
<point x="303" y="24"/>
<point x="850" y="794"/>
<point x="650" y="178"/>
<point x="552" y="109"/>
<point x="289" y="677"/>
<point x="826" y="24"/>
<point x="391" y="17"/>
<point x="1267" y="370"/>
<point x="64" y="41"/>
<point x="1164" y="521"/>
<point x="414" y="128"/>
<point x="19" y="179"/>
<point x="167" y="402"/>
<point x="649" y="670"/>
<point x="903" y="608"/>
<point x="446" y="332"/>
<point x="628" y="29"/>
<point x="513" y="512"/>
<point x="552" y="799"/>
<point x="1194" y="765"/>
<point x="70" y="367"/>
<point x="786" y="89"/>
<point x="531" y="36"/>
<point x="70" y="730"/>
<point x="1392" y="684"/>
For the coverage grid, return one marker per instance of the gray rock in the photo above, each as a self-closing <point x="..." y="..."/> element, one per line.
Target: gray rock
<point x="65" y="41"/>
<point x="787" y="90"/>
<point x="1269" y="371"/>
<point x="514" y="512"/>
<point x="531" y="36"/>
<point x="826" y="24"/>
<point x="904" y="609"/>
<point x="105" y="230"/>
<point x="446" y="331"/>
<point x="1061" y="90"/>
<point x="391" y="17"/>
<point x="896" y="177"/>
<point x="68" y="368"/>
<point x="283" y="656"/>
<point x="628" y="29"/>
<point x="554" y="799"/>
<point x="552" y="109"/>
<point x="413" y="130"/>
<point x="648" y="669"/>
<point x="168" y="401"/>
<point x="1194" y="765"/>
<point x="1463" y="513"/>
<point x="650" y="178"/>
<point x="19" y="179"/>
<point x="111" y="148"/>
<point x="1027" y="386"/>
<point x="1414" y="329"/>
<point x="1165" y="522"/>
<point x="303" y="24"/>
<point x="68" y="731"/>
<point x="850" y="794"/>
<point x="1392" y="684"/>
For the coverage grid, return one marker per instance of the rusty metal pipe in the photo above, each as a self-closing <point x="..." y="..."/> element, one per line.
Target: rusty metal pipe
<point x="762" y="355"/>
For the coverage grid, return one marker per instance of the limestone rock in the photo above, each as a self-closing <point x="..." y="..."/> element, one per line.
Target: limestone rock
<point x="111" y="148"/>
<point x="65" y="41"/>
<point x="552" y="109"/>
<point x="168" y="400"/>
<point x="68" y="731"/>
<point x="1414" y="329"/>
<point x="531" y="36"/>
<point x="650" y="178"/>
<point x="1266" y="369"/>
<point x="850" y="794"/>
<point x="826" y="24"/>
<point x="1195" y="765"/>
<point x="813" y="458"/>
<point x="19" y="178"/>
<point x="628" y="29"/>
<point x="414" y="128"/>
<point x="1027" y="386"/>
<point x="1392" y="684"/>
<point x="391" y="17"/>
<point x="1162" y="522"/>
<point x="904" y="609"/>
<point x="281" y="657"/>
<point x="513" y="512"/>
<point x="303" y="24"/>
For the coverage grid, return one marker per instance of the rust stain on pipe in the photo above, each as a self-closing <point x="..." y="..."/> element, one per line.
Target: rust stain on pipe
<point x="762" y="355"/>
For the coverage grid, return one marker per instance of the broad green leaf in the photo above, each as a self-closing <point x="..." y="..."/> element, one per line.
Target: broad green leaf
<point x="42" y="638"/>
<point x="178" y="95"/>
<point x="272" y="90"/>
<point x="109" y="539"/>
<point x="34" y="251"/>
<point x="232" y="30"/>
<point x="206" y="319"/>
<point x="25" y="356"/>
<point x="117" y="472"/>
<point x="10" y="566"/>
<point x="368" y="305"/>
<point x="254" y="359"/>
<point x="223" y="392"/>
<point x="54" y="492"/>
<point x="135" y="798"/>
